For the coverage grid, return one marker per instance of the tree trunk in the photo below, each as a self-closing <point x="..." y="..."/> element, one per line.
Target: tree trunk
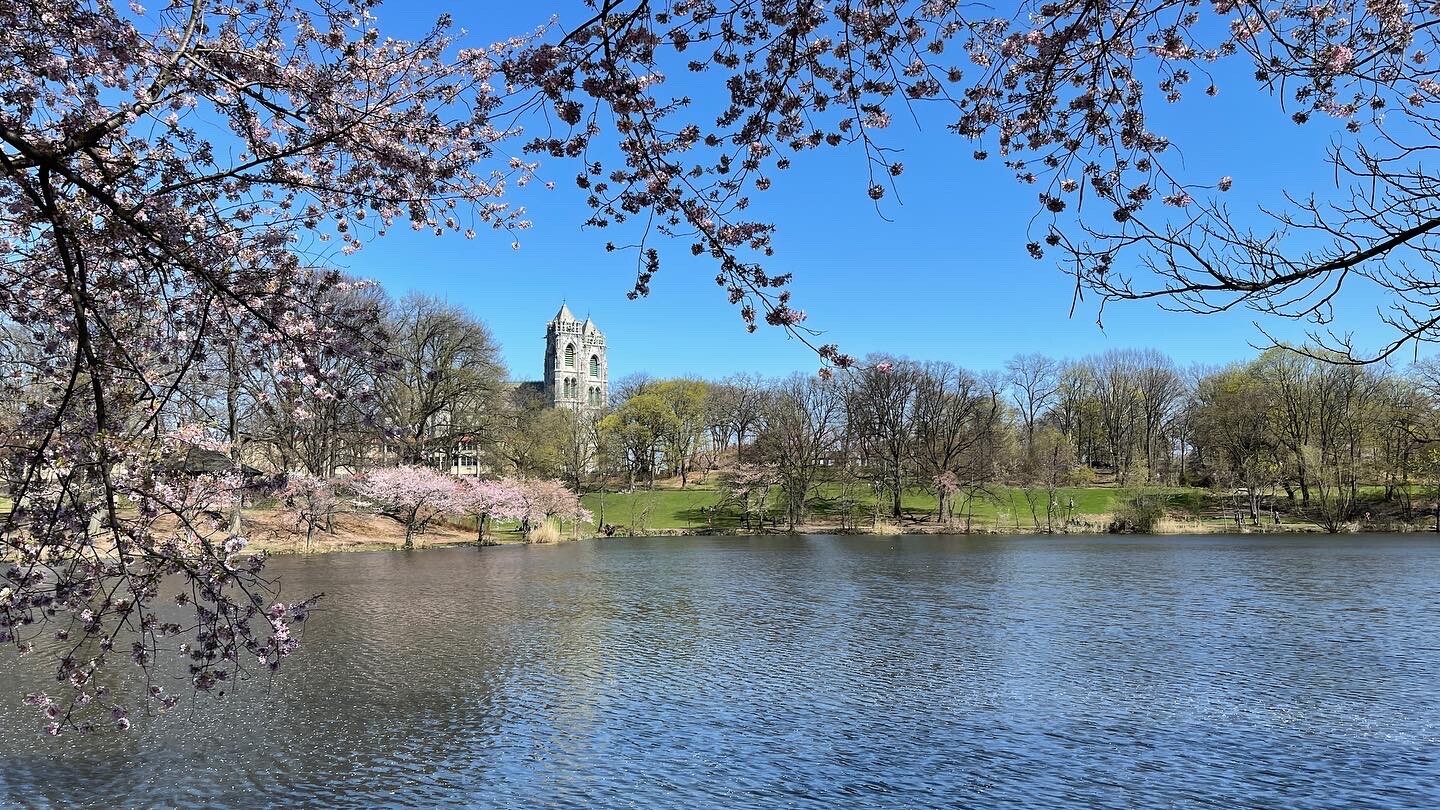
<point x="232" y="410"/>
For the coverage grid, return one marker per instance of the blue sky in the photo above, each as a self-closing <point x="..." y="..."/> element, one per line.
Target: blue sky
<point x="942" y="275"/>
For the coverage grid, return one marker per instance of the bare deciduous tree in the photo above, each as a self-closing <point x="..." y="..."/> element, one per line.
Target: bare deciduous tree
<point x="802" y="419"/>
<point x="1034" y="382"/>
<point x="444" y="380"/>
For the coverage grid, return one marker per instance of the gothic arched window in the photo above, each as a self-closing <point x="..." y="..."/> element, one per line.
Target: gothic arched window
<point x="594" y="365"/>
<point x="570" y="355"/>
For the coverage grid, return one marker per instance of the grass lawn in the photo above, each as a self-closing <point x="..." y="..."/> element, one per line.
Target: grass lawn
<point x="1008" y="507"/>
<point x="658" y="509"/>
<point x="1003" y="508"/>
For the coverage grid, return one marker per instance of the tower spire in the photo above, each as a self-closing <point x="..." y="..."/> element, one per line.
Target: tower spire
<point x="576" y="370"/>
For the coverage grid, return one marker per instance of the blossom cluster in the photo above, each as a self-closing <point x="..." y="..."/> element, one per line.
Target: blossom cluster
<point x="418" y="496"/>
<point x="178" y="183"/>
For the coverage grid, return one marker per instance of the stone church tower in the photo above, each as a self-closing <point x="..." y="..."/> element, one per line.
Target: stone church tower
<point x="576" y="373"/>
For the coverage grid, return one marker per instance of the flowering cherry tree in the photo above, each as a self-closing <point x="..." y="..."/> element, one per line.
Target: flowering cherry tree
<point x="181" y="515"/>
<point x="747" y="488"/>
<point x="1067" y="96"/>
<point x="540" y="499"/>
<point x="489" y="500"/>
<point x="170" y="181"/>
<point x="310" y="501"/>
<point x="415" y="496"/>
<point x="1063" y="92"/>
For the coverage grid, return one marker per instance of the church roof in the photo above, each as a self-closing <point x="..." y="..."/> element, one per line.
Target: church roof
<point x="564" y="313"/>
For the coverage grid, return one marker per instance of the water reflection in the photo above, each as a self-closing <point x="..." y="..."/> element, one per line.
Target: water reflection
<point x="812" y="671"/>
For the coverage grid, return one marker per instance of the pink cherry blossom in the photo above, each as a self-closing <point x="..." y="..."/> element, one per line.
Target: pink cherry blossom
<point x="489" y="501"/>
<point x="416" y="496"/>
<point x="1338" y="58"/>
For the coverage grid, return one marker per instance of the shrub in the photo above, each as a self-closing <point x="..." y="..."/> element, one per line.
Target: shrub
<point x="1139" y="513"/>
<point x="545" y="532"/>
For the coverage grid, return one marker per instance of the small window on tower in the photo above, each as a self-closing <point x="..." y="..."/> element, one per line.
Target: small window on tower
<point x="594" y="365"/>
<point x="570" y="355"/>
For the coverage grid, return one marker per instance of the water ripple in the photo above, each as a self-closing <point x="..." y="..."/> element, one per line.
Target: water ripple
<point x="812" y="672"/>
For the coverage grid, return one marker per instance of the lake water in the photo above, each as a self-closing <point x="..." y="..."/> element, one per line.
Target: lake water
<point x="811" y="672"/>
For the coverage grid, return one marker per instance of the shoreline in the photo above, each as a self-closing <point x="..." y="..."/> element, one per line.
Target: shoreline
<point x="448" y="537"/>
<point x="669" y="511"/>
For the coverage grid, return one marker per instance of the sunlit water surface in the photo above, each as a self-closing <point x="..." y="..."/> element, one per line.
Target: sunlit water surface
<point x="810" y="672"/>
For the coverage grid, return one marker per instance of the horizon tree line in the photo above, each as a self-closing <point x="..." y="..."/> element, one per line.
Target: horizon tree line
<point x="433" y="392"/>
<point x="1286" y="425"/>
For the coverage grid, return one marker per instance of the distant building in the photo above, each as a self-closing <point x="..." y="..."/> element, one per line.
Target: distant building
<point x="576" y="369"/>
<point x="576" y="377"/>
